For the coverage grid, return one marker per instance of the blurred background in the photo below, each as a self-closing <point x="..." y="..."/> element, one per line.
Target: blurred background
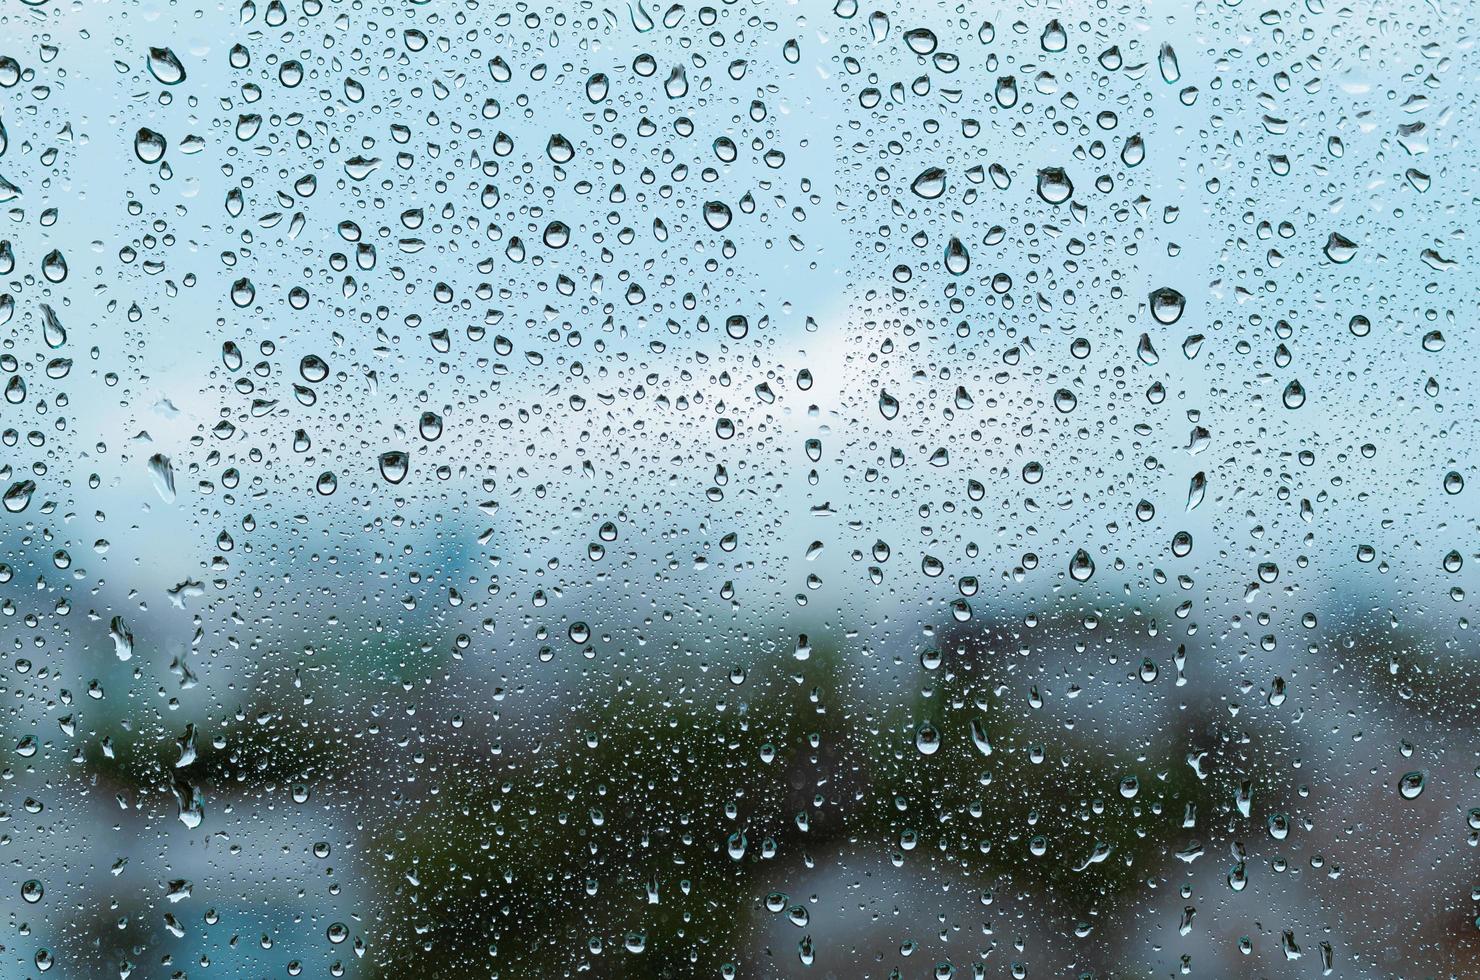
<point x="737" y="490"/>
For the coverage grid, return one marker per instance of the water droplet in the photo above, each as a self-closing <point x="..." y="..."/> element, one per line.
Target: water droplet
<point x="394" y="465"/>
<point x="1054" y="185"/>
<point x="957" y="259"/>
<point x="162" y="471"/>
<point x="920" y="40"/>
<point x="54" y="266"/>
<point x="559" y="149"/>
<point x="717" y="215"/>
<point x="1053" y="39"/>
<point x="313" y="368"/>
<point x="927" y="739"/>
<point x="557" y="234"/>
<point x="243" y="292"/>
<point x="1145" y="351"/>
<point x="930" y="184"/>
<point x="1339" y="248"/>
<point x="1411" y="784"/>
<point x="123" y="638"/>
<point x="149" y="146"/>
<point x="18" y="496"/>
<point x="1166" y="60"/>
<point x="165" y="67"/>
<point x="1167" y="305"/>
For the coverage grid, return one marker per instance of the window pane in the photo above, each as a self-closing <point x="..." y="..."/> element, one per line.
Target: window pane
<point x="737" y="489"/>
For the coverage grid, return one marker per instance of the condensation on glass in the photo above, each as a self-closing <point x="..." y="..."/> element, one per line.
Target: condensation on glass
<point x="737" y="489"/>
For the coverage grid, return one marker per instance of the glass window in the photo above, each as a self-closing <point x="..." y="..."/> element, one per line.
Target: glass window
<point x="737" y="489"/>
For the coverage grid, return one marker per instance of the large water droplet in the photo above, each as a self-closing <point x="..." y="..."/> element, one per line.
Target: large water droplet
<point x="149" y="146"/>
<point x="1167" y="305"/>
<point x="1054" y="185"/>
<point x="394" y="465"/>
<point x="920" y="40"/>
<point x="1339" y="248"/>
<point x="930" y="184"/>
<point x="165" y="67"/>
<point x="957" y="259"/>
<point x="1411" y="784"/>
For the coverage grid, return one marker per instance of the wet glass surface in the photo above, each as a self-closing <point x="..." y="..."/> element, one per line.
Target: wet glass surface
<point x="737" y="490"/>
